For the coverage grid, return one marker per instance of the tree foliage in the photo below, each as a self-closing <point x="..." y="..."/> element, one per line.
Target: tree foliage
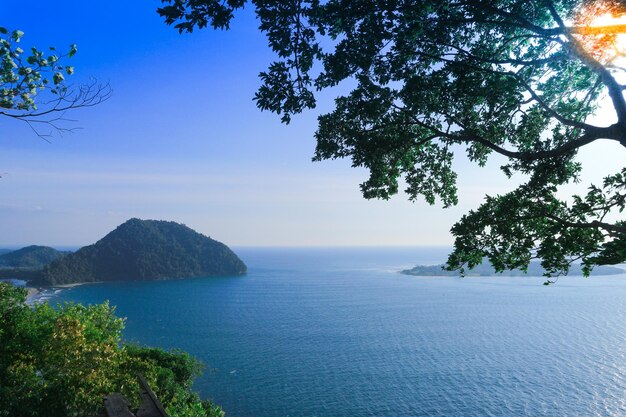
<point x="519" y="78"/>
<point x="61" y="362"/>
<point x="33" y="86"/>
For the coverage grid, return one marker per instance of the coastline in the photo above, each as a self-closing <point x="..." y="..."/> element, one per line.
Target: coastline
<point x="31" y="292"/>
<point x="37" y="295"/>
<point x="74" y="284"/>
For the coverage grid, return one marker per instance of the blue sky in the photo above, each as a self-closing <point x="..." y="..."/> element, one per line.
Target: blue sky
<point x="182" y="140"/>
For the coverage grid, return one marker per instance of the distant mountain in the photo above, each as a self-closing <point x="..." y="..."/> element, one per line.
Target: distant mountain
<point x="486" y="270"/>
<point x="143" y="250"/>
<point x="30" y="257"/>
<point x="4" y="251"/>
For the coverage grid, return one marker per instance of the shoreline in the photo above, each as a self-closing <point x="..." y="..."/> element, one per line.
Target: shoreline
<point x="31" y="292"/>
<point x="41" y="294"/>
<point x="74" y="284"/>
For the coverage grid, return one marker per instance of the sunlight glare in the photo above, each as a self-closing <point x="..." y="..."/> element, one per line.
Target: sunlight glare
<point x="609" y="47"/>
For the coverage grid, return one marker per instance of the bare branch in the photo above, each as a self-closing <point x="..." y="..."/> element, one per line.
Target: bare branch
<point x="52" y="112"/>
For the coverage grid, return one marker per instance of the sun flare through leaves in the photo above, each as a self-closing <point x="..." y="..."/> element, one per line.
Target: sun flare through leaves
<point x="602" y="31"/>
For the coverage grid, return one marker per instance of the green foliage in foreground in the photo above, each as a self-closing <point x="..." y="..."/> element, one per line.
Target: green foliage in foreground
<point x="61" y="362"/>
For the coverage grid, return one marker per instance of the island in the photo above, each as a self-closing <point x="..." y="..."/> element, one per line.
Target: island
<point x="143" y="250"/>
<point x="30" y="257"/>
<point x="26" y="263"/>
<point x="486" y="270"/>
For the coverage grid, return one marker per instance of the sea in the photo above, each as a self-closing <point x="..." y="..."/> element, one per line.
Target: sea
<point x="340" y="332"/>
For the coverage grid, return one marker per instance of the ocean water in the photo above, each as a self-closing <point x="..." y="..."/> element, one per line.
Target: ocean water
<point x="338" y="332"/>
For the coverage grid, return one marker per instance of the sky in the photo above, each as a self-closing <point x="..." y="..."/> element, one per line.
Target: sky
<point x="181" y="139"/>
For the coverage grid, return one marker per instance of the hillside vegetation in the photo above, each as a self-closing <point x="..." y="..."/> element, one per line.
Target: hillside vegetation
<point x="63" y="361"/>
<point x="143" y="250"/>
<point x="30" y="257"/>
<point x="486" y="270"/>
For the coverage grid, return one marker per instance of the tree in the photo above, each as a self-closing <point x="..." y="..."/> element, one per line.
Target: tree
<point x="33" y="88"/>
<point x="519" y="78"/>
<point x="61" y="362"/>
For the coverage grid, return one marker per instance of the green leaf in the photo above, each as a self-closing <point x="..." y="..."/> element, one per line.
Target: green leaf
<point x="73" y="49"/>
<point x="17" y="35"/>
<point x="58" y="78"/>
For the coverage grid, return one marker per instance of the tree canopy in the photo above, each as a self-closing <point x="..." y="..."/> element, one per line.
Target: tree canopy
<point x="33" y="87"/>
<point x="62" y="362"/>
<point x="518" y="78"/>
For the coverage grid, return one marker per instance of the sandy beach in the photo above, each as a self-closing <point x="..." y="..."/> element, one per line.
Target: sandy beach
<point x="74" y="284"/>
<point x="39" y="294"/>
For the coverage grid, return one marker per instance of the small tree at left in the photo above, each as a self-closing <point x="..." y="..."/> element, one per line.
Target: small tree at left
<point x="33" y="86"/>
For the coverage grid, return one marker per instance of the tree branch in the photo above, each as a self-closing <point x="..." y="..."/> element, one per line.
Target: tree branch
<point x="87" y="95"/>
<point x="614" y="88"/>
<point x="595" y="224"/>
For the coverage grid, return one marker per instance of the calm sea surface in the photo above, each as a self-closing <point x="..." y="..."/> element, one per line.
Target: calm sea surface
<point x="338" y="332"/>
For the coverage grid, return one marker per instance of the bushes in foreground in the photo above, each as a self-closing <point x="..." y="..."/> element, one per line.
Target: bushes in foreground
<point x="62" y="362"/>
